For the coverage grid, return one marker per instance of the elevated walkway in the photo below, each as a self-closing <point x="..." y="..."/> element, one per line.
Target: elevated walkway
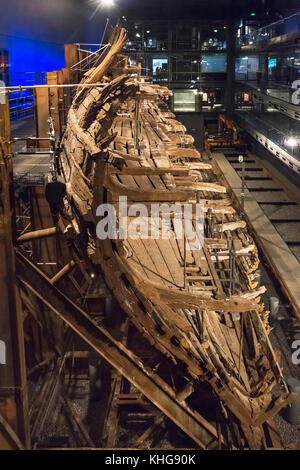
<point x="284" y="264"/>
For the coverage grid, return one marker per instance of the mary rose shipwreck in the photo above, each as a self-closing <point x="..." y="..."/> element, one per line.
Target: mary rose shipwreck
<point x="200" y="308"/>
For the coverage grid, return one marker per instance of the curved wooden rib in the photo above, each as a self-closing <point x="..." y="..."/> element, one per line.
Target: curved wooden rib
<point x="182" y="299"/>
<point x="178" y="194"/>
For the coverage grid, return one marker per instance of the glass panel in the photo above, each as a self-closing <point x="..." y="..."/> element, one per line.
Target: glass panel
<point x="160" y="68"/>
<point x="185" y="37"/>
<point x="216" y="63"/>
<point x="288" y="25"/>
<point x="286" y="137"/>
<point x="213" y="38"/>
<point x="185" y="100"/>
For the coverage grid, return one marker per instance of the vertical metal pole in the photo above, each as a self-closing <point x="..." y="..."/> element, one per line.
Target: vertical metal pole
<point x="231" y="54"/>
<point x="242" y="161"/>
<point x="241" y="342"/>
<point x="137" y="112"/>
<point x="243" y="184"/>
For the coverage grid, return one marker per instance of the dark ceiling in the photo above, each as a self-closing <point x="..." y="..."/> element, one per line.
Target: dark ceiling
<point x="217" y="9"/>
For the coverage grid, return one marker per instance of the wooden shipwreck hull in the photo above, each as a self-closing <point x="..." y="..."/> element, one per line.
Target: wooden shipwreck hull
<point x="118" y="141"/>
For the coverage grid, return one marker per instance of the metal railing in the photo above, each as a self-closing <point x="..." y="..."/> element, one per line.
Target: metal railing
<point x="163" y="46"/>
<point x="21" y="103"/>
<point x="288" y="25"/>
<point x="275" y="135"/>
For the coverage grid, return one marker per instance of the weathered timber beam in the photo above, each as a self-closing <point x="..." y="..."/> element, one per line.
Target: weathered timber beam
<point x="158" y="421"/>
<point x="216" y="243"/>
<point x="183" y="299"/>
<point x="202" y="432"/>
<point x="82" y="136"/>
<point x="178" y="194"/>
<point x="185" y="392"/>
<point x="63" y="272"/>
<point x="230" y="226"/>
<point x="11" y="434"/>
<point x="124" y="156"/>
<point x="145" y="171"/>
<point x="37" y="235"/>
<point x="252" y="294"/>
<point x="198" y="166"/>
<point x="100" y="70"/>
<point x="139" y="195"/>
<point x="177" y="152"/>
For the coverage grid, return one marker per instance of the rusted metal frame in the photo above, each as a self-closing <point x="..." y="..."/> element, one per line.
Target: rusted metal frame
<point x="117" y="355"/>
<point x="13" y="374"/>
<point x="22" y="213"/>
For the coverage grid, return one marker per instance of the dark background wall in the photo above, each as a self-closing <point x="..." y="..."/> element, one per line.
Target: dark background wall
<point x="34" y="31"/>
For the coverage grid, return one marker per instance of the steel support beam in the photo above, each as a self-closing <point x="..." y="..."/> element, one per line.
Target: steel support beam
<point x="129" y="365"/>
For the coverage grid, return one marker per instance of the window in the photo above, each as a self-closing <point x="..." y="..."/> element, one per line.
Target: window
<point x="160" y="68"/>
<point x="216" y="63"/>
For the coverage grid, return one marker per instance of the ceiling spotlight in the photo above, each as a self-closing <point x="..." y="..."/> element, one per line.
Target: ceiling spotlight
<point x="148" y="32"/>
<point x="291" y="142"/>
<point x="108" y="3"/>
<point x="215" y="30"/>
<point x="138" y="35"/>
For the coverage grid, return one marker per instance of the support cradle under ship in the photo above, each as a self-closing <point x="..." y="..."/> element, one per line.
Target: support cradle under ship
<point x="202" y="307"/>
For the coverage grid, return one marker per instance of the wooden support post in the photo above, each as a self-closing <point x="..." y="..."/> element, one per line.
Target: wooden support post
<point x="54" y="103"/>
<point x="184" y="260"/>
<point x="42" y="114"/>
<point x="66" y="94"/>
<point x="13" y="403"/>
<point x="71" y="58"/>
